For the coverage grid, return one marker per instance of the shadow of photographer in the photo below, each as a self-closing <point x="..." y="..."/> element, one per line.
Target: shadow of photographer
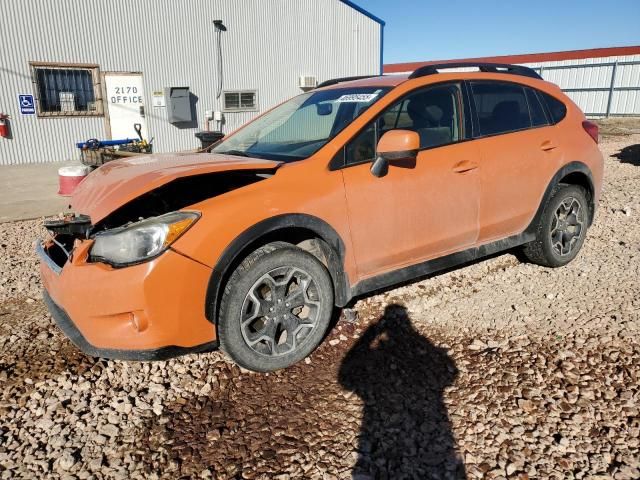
<point x="401" y="376"/>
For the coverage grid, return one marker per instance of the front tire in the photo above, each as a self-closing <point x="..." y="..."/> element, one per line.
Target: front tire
<point x="275" y="308"/>
<point x="561" y="229"/>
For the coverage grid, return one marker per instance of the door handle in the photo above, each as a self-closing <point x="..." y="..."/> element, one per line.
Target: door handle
<point x="547" y="146"/>
<point x="464" y="166"/>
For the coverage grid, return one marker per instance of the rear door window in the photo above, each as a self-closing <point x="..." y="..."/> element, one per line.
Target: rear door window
<point x="500" y="107"/>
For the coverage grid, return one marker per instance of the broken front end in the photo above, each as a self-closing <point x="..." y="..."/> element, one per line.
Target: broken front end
<point x="147" y="311"/>
<point x="65" y="234"/>
<point x="113" y="279"/>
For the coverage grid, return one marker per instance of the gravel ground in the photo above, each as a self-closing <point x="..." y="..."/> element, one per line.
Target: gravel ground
<point x="501" y="369"/>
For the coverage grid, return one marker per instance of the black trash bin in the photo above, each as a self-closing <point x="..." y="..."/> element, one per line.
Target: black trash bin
<point x="209" y="138"/>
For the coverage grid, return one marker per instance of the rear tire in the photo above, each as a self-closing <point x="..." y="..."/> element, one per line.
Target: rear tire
<point x="275" y="308"/>
<point x="561" y="229"/>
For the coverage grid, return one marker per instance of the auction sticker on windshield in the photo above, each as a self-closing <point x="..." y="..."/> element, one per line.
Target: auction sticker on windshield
<point x="357" y="97"/>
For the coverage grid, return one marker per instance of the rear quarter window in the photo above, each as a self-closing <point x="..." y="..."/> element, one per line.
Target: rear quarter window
<point x="537" y="111"/>
<point x="556" y="108"/>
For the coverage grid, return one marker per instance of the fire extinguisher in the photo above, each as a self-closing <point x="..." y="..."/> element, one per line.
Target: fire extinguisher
<point x="4" y="125"/>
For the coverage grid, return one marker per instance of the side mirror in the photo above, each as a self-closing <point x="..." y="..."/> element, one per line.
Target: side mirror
<point x="395" y="145"/>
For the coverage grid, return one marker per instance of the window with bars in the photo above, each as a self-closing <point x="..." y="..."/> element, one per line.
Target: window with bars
<point x="67" y="90"/>
<point x="240" y="101"/>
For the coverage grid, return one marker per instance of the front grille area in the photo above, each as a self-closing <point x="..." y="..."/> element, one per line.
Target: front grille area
<point x="59" y="249"/>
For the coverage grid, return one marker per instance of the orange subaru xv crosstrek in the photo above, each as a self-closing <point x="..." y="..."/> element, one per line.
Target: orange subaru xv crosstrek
<point x="352" y="187"/>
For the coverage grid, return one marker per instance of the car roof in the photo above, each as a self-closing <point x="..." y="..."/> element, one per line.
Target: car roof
<point x="393" y="81"/>
<point x="489" y="71"/>
<point x="379" y="81"/>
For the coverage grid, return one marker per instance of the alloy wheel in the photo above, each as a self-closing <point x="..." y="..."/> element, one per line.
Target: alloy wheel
<point x="566" y="226"/>
<point x="279" y="311"/>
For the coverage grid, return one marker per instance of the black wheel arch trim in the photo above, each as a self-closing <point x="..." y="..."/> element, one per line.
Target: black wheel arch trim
<point x="568" y="169"/>
<point x="332" y="247"/>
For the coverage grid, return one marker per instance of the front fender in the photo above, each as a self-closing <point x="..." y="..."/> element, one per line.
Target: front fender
<point x="260" y="233"/>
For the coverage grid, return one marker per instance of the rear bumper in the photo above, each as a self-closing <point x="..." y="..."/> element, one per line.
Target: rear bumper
<point x="150" y="311"/>
<point x="71" y="331"/>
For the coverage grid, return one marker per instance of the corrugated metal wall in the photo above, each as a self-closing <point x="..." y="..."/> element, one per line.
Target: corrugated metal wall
<point x="267" y="45"/>
<point x="597" y="80"/>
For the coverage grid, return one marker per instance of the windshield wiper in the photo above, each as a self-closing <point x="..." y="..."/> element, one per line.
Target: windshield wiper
<point x="237" y="153"/>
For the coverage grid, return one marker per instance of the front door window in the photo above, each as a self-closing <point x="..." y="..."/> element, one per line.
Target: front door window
<point x="432" y="113"/>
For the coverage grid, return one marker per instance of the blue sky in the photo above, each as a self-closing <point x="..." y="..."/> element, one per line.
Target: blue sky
<point x="442" y="29"/>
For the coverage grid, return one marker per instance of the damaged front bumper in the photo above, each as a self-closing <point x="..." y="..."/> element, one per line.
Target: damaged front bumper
<point x="67" y="326"/>
<point x="150" y="311"/>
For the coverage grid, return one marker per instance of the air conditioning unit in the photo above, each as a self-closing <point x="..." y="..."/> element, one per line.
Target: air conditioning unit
<point x="307" y="81"/>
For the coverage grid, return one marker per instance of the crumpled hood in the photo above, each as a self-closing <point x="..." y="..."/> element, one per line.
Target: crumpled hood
<point x="120" y="181"/>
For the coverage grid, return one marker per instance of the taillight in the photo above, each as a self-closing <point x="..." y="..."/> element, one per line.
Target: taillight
<point x="592" y="129"/>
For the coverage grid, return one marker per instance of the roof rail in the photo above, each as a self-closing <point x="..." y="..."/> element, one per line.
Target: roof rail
<point x="483" y="67"/>
<point x="334" y="81"/>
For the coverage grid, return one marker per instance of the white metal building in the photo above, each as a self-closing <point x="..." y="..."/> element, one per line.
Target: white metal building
<point x="602" y="81"/>
<point x="70" y="71"/>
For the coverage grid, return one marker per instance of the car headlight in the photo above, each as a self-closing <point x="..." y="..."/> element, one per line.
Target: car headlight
<point x="142" y="240"/>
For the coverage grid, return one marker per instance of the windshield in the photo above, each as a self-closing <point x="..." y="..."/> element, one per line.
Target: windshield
<point x="300" y="127"/>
